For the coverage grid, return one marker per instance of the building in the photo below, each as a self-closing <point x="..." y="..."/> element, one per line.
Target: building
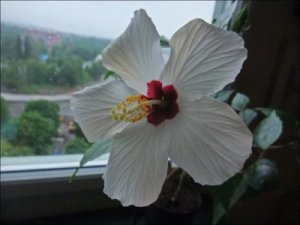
<point x="48" y="38"/>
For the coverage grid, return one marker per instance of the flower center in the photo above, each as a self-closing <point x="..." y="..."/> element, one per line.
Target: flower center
<point x="159" y="104"/>
<point x="132" y="109"/>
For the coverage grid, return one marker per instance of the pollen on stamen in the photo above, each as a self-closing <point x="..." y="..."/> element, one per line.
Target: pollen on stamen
<point x="132" y="109"/>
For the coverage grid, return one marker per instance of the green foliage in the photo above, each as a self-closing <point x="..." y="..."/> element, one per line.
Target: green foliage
<point x="85" y="48"/>
<point x="9" y="130"/>
<point x="99" y="148"/>
<point x="47" y="109"/>
<point x="267" y="112"/>
<point x="226" y="195"/>
<point x="16" y="74"/>
<point x="164" y="42"/>
<point x="4" y="111"/>
<point x="85" y="77"/>
<point x="39" y="72"/>
<point x="109" y="74"/>
<point x="285" y="117"/>
<point x="21" y="70"/>
<point x="36" y="131"/>
<point x="223" y="95"/>
<point x="267" y="131"/>
<point x="28" y="47"/>
<point x="76" y="146"/>
<point x="8" y="40"/>
<point x="70" y="72"/>
<point x="35" y="128"/>
<point x="7" y="149"/>
<point x="248" y="115"/>
<point x="263" y="175"/>
<point x="20" y="52"/>
<point x="10" y="76"/>
<point x="240" y="20"/>
<point x="78" y="132"/>
<point x="239" y="102"/>
<point x="96" y="70"/>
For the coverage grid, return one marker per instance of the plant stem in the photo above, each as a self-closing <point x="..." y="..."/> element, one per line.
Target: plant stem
<point x="172" y="172"/>
<point x="181" y="178"/>
<point x="279" y="146"/>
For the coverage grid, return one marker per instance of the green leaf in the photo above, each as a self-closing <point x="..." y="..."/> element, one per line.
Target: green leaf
<point x="223" y="95"/>
<point x="240" y="20"/>
<point x="164" y="42"/>
<point x="98" y="149"/>
<point x="284" y="116"/>
<point x="226" y="195"/>
<point x="108" y="74"/>
<point x="218" y="211"/>
<point x="239" y="102"/>
<point x="267" y="131"/>
<point x="262" y="175"/>
<point x="248" y="115"/>
<point x="267" y="111"/>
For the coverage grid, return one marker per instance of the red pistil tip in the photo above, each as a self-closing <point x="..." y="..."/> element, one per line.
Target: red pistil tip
<point x="169" y="107"/>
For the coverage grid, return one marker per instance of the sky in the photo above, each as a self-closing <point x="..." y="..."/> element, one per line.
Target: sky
<point x="106" y="19"/>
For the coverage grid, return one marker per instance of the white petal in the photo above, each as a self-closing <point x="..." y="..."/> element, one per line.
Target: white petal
<point x="203" y="59"/>
<point x="92" y="107"/>
<point x="136" y="55"/>
<point x="137" y="165"/>
<point x="209" y="140"/>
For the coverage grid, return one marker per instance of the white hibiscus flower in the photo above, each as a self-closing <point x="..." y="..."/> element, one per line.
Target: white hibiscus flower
<point x="162" y="110"/>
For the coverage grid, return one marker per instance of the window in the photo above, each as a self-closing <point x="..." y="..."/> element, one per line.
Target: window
<point x="48" y="56"/>
<point x="48" y="51"/>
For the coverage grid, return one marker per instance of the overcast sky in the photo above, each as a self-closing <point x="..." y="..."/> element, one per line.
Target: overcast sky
<point x="103" y="18"/>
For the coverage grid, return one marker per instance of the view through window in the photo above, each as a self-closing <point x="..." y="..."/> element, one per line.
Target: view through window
<point x="51" y="49"/>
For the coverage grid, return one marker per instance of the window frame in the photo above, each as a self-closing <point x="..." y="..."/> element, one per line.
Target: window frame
<point x="37" y="193"/>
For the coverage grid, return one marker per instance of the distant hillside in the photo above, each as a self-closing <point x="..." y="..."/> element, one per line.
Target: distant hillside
<point x="57" y="44"/>
<point x="36" y="60"/>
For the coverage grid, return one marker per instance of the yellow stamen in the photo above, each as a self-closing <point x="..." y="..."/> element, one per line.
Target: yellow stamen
<point x="132" y="109"/>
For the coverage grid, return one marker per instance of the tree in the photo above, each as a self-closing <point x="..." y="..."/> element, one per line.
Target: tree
<point x="19" y="47"/>
<point x="4" y="111"/>
<point x="9" y="130"/>
<point x="70" y="72"/>
<point x="35" y="131"/>
<point x="76" y="146"/>
<point x="27" y="47"/>
<point x="39" y="72"/>
<point x="47" y="109"/>
<point x="10" y="76"/>
<point x="7" y="149"/>
<point x="78" y="132"/>
<point x="96" y="70"/>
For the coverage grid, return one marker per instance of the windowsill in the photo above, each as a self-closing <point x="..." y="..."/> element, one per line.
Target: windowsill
<point x="45" y="167"/>
<point x="38" y="186"/>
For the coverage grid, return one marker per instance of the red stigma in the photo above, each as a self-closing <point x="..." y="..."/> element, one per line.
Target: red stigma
<point x="168" y="95"/>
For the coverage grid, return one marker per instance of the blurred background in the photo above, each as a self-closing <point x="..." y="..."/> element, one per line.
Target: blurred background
<point x="49" y="49"/>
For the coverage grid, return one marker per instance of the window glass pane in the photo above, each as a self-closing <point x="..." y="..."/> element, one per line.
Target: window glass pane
<point x="51" y="49"/>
